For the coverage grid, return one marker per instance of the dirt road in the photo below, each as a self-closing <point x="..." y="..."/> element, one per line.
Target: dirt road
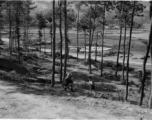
<point x="18" y="104"/>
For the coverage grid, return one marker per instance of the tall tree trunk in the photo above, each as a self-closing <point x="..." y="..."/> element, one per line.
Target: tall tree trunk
<point x="27" y="30"/>
<point x="89" y="54"/>
<point x="44" y="39"/>
<point x="51" y="39"/>
<point x="61" y="42"/>
<point x="0" y="39"/>
<point x="53" y="66"/>
<point x="40" y="39"/>
<point x="124" y="53"/>
<point x="0" y="28"/>
<point x="78" y="37"/>
<point x="66" y="38"/>
<point x="85" y="43"/>
<point x="96" y="48"/>
<point x="0" y="33"/>
<point x="18" y="33"/>
<point x="26" y="37"/>
<point x="127" y="83"/>
<point x="150" y="99"/>
<point x="144" y="73"/>
<point x="18" y="43"/>
<point x="10" y="29"/>
<point x="24" y="25"/>
<point x="119" y="39"/>
<point x="13" y="38"/>
<point x="93" y="33"/>
<point x="90" y="43"/>
<point x="103" y="28"/>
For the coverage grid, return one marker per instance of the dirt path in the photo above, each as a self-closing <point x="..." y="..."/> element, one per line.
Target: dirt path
<point x="16" y="104"/>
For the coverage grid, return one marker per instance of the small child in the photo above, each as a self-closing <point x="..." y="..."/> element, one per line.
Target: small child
<point x="91" y="84"/>
<point x="68" y="82"/>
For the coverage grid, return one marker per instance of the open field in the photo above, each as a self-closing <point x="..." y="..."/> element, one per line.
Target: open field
<point x="138" y="48"/>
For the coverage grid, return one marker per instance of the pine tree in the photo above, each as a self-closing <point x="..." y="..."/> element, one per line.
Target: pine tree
<point x="60" y="3"/>
<point x="150" y="37"/>
<point x="132" y="18"/>
<point x="121" y="17"/>
<point x="66" y="38"/>
<point x="53" y="66"/>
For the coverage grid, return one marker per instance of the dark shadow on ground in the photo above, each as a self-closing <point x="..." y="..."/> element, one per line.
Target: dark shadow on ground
<point x="103" y="90"/>
<point x="45" y="89"/>
<point x="104" y="87"/>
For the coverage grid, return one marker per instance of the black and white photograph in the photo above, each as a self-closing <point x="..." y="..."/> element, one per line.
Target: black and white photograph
<point x="76" y="59"/>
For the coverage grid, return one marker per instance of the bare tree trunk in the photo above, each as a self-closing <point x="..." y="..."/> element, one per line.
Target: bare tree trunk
<point x="90" y="44"/>
<point x="61" y="42"/>
<point x="93" y="33"/>
<point x="89" y="54"/>
<point x="96" y="48"/>
<point x="0" y="34"/>
<point x="119" y="39"/>
<point x="85" y="43"/>
<point x="10" y="29"/>
<point x="27" y="30"/>
<point x="44" y="39"/>
<point x="78" y="37"/>
<point x="18" y="33"/>
<point x="144" y="73"/>
<point x="24" y="25"/>
<point x="13" y="38"/>
<point x="0" y="31"/>
<point x="51" y="39"/>
<point x="53" y="66"/>
<point x="66" y="38"/>
<point x="18" y="43"/>
<point x="127" y="83"/>
<point x="150" y="99"/>
<point x="124" y="54"/>
<point x="103" y="28"/>
<point x="40" y="39"/>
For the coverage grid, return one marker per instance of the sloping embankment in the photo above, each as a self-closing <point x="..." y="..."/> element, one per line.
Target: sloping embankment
<point x="7" y="64"/>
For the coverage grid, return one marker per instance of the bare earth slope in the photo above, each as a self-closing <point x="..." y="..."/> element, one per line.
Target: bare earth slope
<point x="15" y="104"/>
<point x="20" y="104"/>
